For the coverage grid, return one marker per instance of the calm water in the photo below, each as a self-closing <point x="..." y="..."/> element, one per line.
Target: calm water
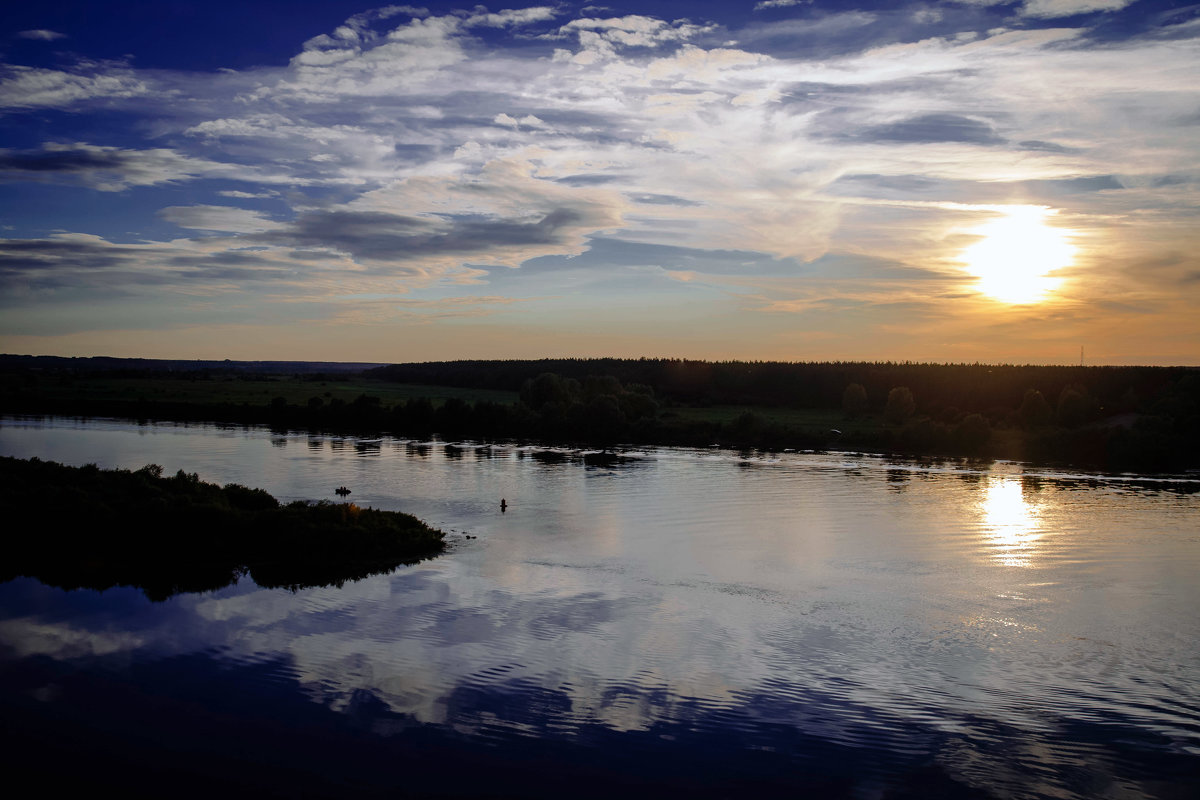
<point x="697" y="621"/>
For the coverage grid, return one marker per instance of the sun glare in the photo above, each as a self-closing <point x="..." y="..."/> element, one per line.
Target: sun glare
<point x="1016" y="255"/>
<point x="1010" y="522"/>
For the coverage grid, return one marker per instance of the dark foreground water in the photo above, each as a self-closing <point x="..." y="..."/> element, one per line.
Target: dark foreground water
<point x="699" y="622"/>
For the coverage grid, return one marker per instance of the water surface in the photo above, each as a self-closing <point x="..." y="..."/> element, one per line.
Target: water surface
<point x="690" y="620"/>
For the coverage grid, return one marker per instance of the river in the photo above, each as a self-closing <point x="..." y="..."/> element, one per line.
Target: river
<point x="827" y="624"/>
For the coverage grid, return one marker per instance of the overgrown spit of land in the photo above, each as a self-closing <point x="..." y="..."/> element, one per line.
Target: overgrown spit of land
<point x="1143" y="419"/>
<point x="83" y="527"/>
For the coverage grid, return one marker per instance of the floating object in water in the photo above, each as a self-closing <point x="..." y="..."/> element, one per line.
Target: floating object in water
<point x="503" y="505"/>
<point x="341" y="491"/>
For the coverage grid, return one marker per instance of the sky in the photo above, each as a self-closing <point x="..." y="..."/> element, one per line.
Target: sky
<point x="972" y="181"/>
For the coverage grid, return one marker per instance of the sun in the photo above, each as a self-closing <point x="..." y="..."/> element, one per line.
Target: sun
<point x="1017" y="253"/>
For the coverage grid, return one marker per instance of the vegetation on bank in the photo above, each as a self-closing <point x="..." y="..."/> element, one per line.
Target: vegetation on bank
<point x="83" y="527"/>
<point x="1116" y="418"/>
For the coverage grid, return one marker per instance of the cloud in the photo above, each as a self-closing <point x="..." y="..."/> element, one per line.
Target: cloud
<point x="1050" y="9"/>
<point x="219" y="218"/>
<point x="35" y="87"/>
<point x="779" y="4"/>
<point x="601" y="37"/>
<point x="391" y="239"/>
<point x="247" y="195"/>
<point x="41" y="34"/>
<point x="662" y="199"/>
<point x="108" y="169"/>
<point x="933" y="128"/>
<point x="512" y="18"/>
<point x="604" y="253"/>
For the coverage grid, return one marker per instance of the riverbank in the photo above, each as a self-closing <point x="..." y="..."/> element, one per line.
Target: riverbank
<point x="83" y="527"/>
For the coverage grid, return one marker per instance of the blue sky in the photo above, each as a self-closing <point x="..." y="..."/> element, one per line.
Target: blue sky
<point x="782" y="180"/>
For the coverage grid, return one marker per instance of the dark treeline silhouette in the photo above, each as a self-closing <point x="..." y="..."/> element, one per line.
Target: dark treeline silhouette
<point x="76" y="527"/>
<point x="1117" y="418"/>
<point x="137" y="367"/>
<point x="968" y="387"/>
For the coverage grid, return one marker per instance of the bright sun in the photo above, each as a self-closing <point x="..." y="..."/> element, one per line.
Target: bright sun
<point x="1016" y="255"/>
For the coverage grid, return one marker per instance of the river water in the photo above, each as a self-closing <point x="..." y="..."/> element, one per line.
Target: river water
<point x="827" y="624"/>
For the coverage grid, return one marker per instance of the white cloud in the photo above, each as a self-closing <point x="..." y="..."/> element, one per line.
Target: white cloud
<point x="219" y="218"/>
<point x="1050" y="9"/>
<point x="35" y="87"/>
<point x="630" y="31"/>
<point x="779" y="4"/>
<point x="41" y="34"/>
<point x="248" y="195"/>
<point x="512" y="18"/>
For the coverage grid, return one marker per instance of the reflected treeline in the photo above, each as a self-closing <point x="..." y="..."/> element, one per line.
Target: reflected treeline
<point x="83" y="527"/>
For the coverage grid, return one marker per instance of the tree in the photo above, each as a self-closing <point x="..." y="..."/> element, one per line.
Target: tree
<point x="1035" y="411"/>
<point x="545" y="388"/>
<point x="854" y="400"/>
<point x="900" y="405"/>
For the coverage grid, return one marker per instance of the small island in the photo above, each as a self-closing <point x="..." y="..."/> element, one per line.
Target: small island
<point x="84" y="527"/>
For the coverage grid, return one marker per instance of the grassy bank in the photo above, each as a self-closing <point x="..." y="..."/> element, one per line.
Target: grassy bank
<point x="83" y="527"/>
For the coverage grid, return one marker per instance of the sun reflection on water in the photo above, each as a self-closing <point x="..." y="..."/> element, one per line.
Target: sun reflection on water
<point x="1011" y="524"/>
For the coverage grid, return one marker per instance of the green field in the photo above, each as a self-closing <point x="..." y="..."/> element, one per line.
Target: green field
<point x="258" y="391"/>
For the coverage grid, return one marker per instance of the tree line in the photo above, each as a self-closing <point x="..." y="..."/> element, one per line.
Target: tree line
<point x="1140" y="418"/>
